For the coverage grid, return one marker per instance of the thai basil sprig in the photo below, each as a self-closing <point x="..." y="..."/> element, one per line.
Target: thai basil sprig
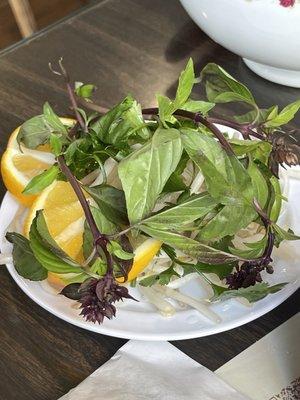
<point x="152" y="151"/>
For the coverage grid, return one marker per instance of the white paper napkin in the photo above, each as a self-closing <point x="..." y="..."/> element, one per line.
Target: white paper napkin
<point x="270" y="368"/>
<point x="152" y="371"/>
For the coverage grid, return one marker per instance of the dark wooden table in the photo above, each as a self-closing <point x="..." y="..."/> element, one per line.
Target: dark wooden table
<point x="123" y="46"/>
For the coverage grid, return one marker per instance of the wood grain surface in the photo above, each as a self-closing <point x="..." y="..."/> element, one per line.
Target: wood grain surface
<point x="123" y="46"/>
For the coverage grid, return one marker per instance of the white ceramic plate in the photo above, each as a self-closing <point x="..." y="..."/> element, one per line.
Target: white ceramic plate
<point x="139" y="320"/>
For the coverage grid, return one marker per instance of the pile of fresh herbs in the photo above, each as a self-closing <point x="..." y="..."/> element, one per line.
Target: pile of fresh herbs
<point x="153" y="148"/>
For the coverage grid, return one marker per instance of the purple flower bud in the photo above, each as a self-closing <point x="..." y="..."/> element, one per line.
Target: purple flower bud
<point x="97" y="295"/>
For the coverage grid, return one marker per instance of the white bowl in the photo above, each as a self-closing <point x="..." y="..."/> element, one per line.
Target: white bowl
<point x="264" y="33"/>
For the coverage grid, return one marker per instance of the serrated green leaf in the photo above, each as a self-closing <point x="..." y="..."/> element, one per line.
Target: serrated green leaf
<point x="41" y="181"/>
<point x="251" y="293"/>
<point x="273" y="113"/>
<point x="145" y="172"/>
<point x="24" y="260"/>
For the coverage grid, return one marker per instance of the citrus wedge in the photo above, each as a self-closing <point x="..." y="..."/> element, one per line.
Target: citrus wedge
<point x="20" y="164"/>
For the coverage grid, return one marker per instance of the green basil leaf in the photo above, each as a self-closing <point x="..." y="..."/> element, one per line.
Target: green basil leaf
<point x="221" y="270"/>
<point x="56" y="144"/>
<point x="228" y="221"/>
<point x="175" y="182"/>
<point x="53" y="121"/>
<point x="163" y="278"/>
<point x="251" y="293"/>
<point x="84" y="90"/>
<point x="256" y="147"/>
<point x="226" y="178"/>
<point x="99" y="267"/>
<point x="272" y="113"/>
<point x="24" y="260"/>
<point x="260" y="185"/>
<point x="88" y="241"/>
<point x="185" y="85"/>
<point x="149" y="281"/>
<point x="252" y="250"/>
<point x="71" y="291"/>
<point x="48" y="241"/>
<point x="165" y="108"/>
<point x="145" y="172"/>
<point x="223" y="88"/>
<point x="276" y="200"/>
<point x="202" y="252"/>
<point x="281" y="234"/>
<point x="197" y="106"/>
<point x="121" y="123"/>
<point x="111" y="202"/>
<point x="217" y="290"/>
<point x="181" y="214"/>
<point x="116" y="249"/>
<point x="284" y="117"/>
<point x="45" y="256"/>
<point x="34" y="132"/>
<point x="103" y="223"/>
<point x="41" y="181"/>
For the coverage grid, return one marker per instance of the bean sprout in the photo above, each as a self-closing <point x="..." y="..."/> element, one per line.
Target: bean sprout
<point x="155" y="298"/>
<point x="198" y="305"/>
